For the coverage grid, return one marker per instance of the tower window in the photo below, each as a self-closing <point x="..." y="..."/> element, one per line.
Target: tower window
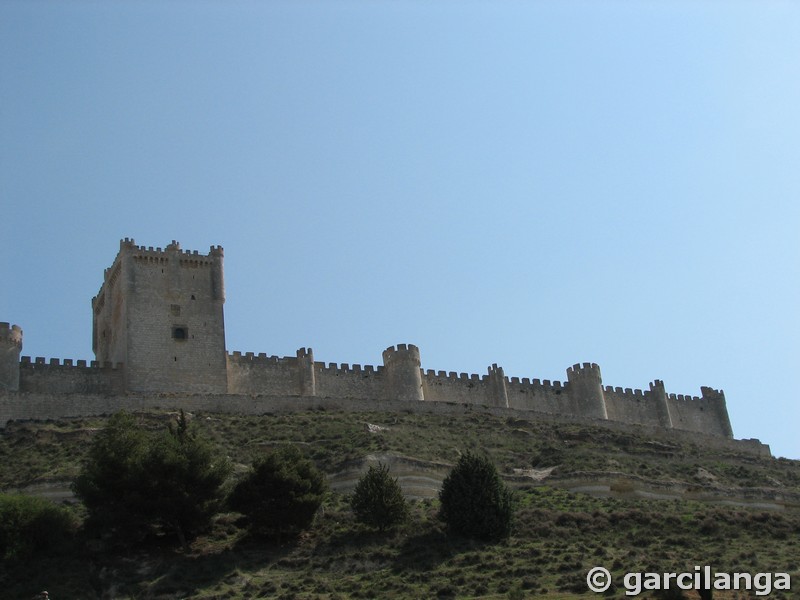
<point x="180" y="333"/>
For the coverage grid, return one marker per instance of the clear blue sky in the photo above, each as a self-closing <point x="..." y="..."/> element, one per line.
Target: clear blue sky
<point x="532" y="184"/>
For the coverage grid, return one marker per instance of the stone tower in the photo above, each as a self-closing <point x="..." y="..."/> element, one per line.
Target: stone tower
<point x="586" y="390"/>
<point x="403" y="375"/>
<point x="10" y="347"/>
<point x="160" y="314"/>
<point x="659" y="396"/>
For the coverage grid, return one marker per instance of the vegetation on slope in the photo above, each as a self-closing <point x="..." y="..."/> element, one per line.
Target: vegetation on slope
<point x="555" y="538"/>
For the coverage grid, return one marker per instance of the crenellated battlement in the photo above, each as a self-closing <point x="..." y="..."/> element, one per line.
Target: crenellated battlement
<point x="454" y="377"/>
<point x="400" y="350"/>
<point x="347" y="369"/>
<point x="40" y="362"/>
<point x="260" y="358"/>
<point x="682" y="398"/>
<point x="584" y="370"/>
<point x="174" y="248"/>
<point x="537" y="383"/>
<point x="10" y="334"/>
<point x="624" y="391"/>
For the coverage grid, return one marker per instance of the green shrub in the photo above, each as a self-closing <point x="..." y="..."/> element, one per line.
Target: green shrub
<point x="475" y="502"/>
<point x="377" y="500"/>
<point x="31" y="526"/>
<point x="281" y="494"/>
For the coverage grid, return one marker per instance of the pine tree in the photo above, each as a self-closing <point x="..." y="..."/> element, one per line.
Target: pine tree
<point x="378" y="500"/>
<point x="475" y="502"/>
<point x="182" y="480"/>
<point x="281" y="494"/>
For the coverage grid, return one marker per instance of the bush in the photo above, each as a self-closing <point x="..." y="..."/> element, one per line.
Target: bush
<point x="135" y="482"/>
<point x="281" y="494"/>
<point x="31" y="526"/>
<point x="475" y="502"/>
<point x="377" y="500"/>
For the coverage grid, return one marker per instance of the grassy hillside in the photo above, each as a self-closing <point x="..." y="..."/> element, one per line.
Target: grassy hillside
<point x="558" y="535"/>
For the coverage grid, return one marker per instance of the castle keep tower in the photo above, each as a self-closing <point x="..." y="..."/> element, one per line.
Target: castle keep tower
<point x="160" y="313"/>
<point x="10" y="347"/>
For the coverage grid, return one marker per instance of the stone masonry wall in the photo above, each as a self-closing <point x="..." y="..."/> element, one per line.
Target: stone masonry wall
<point x="261" y="375"/>
<point x="39" y="406"/>
<point x="452" y="387"/>
<point x="349" y="381"/>
<point x="251" y="374"/>
<point x="631" y="406"/>
<point x="706" y="414"/>
<point x="544" y="396"/>
<point x="57" y="377"/>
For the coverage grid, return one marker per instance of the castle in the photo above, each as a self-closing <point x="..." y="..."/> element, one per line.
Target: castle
<point x="158" y="333"/>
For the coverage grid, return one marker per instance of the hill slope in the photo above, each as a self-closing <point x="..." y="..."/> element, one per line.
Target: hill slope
<point x="748" y="520"/>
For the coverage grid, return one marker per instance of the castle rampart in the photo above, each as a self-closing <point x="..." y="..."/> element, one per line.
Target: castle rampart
<point x="346" y="381"/>
<point x="707" y="413"/>
<point x="70" y="377"/>
<point x="158" y="327"/>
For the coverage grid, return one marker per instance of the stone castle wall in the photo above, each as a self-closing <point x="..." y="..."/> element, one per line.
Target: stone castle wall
<point x="70" y="377"/>
<point x="42" y="406"/>
<point x="262" y="375"/>
<point x="158" y="327"/>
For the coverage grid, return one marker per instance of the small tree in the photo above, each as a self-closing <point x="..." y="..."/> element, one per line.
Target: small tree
<point x="377" y="500"/>
<point x="281" y="493"/>
<point x="475" y="502"/>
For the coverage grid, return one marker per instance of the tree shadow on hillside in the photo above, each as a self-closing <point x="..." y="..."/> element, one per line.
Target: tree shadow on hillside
<point x="178" y="574"/>
<point x="155" y="570"/>
<point x="174" y="573"/>
<point x="358" y="538"/>
<point x="429" y="549"/>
